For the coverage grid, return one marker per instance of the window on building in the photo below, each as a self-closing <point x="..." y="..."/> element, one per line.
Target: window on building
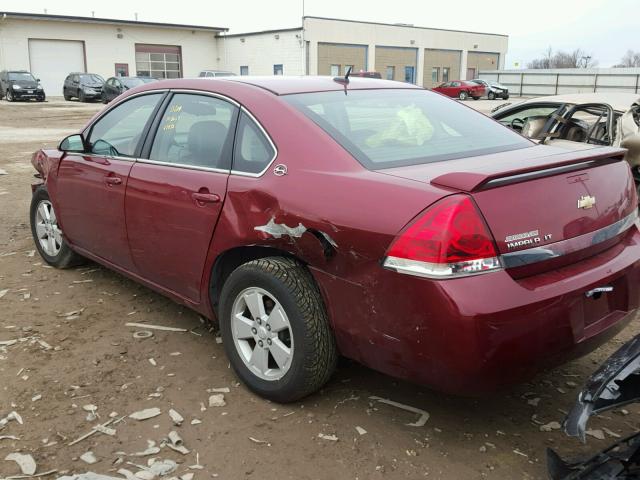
<point x="244" y="70"/>
<point x="194" y="131"/>
<point x="158" y="61"/>
<point x="390" y="72"/>
<point x="409" y="74"/>
<point x="335" y="70"/>
<point x="278" y="69"/>
<point x="435" y="74"/>
<point x="445" y="74"/>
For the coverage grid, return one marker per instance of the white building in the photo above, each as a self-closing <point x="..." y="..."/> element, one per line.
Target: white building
<point x="51" y="46"/>
<point x="326" y="46"/>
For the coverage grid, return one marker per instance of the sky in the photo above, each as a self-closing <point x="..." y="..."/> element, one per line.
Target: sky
<point x="605" y="29"/>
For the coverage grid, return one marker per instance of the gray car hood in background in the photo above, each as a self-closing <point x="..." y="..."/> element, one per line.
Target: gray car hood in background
<point x="614" y="384"/>
<point x="628" y="134"/>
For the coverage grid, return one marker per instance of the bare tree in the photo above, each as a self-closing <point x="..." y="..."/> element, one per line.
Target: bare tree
<point x="630" y="59"/>
<point x="578" y="58"/>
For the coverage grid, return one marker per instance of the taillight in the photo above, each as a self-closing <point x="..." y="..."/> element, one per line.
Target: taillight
<point x="449" y="239"/>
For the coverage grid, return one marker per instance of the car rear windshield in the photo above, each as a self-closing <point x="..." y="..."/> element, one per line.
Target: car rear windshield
<point x="21" y="76"/>
<point x="133" y="82"/>
<point x="393" y="128"/>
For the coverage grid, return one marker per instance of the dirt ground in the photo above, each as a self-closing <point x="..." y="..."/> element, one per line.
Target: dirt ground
<point x="74" y="351"/>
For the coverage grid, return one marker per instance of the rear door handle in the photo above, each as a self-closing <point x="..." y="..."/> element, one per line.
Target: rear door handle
<point x="113" y="180"/>
<point x="205" y="197"/>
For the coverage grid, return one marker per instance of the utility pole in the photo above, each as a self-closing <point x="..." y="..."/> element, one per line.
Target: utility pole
<point x="303" y="45"/>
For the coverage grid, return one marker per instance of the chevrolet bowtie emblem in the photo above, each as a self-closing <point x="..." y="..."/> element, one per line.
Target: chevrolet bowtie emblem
<point x="586" y="202"/>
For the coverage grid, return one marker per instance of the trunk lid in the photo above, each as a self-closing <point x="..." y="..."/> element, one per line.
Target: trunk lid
<point x="542" y="195"/>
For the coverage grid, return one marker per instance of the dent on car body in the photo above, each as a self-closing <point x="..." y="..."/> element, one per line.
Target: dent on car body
<point x="278" y="230"/>
<point x="615" y="383"/>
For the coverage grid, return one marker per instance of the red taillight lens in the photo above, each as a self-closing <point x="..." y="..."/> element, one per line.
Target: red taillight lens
<point x="450" y="238"/>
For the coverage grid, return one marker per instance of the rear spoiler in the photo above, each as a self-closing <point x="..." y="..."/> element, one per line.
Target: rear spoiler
<point x="543" y="167"/>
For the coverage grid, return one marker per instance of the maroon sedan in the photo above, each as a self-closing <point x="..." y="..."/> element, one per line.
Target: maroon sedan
<point x="373" y="219"/>
<point x="461" y="89"/>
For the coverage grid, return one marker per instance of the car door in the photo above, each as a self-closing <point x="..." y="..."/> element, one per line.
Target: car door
<point x="91" y="185"/>
<point x="175" y="195"/>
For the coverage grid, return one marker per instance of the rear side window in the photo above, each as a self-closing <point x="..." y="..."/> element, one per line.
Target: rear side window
<point x="392" y="128"/>
<point x="195" y="131"/>
<point x="119" y="131"/>
<point x="253" y="151"/>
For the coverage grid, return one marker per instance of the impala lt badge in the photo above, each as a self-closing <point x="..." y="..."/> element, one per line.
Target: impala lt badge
<point x="586" y="202"/>
<point x="526" y="239"/>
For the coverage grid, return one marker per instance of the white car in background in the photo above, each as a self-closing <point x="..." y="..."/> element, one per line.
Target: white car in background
<point x="579" y="121"/>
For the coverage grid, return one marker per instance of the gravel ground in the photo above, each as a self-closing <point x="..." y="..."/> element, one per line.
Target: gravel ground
<point x="75" y="363"/>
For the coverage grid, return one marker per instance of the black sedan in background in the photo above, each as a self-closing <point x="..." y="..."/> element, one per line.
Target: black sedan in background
<point x="114" y="86"/>
<point x="494" y="90"/>
<point x="83" y="86"/>
<point x="20" y="85"/>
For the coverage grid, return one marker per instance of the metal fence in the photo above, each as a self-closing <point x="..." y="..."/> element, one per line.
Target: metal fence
<point x="568" y="80"/>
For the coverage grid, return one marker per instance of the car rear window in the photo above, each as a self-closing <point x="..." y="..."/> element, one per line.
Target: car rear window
<point x="392" y="128"/>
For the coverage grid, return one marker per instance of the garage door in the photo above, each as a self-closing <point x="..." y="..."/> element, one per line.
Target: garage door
<point x="336" y="58"/>
<point x="52" y="60"/>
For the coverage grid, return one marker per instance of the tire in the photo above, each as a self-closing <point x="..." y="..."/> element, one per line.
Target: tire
<point x="491" y="96"/>
<point x="283" y="284"/>
<point x="463" y="95"/>
<point x="506" y="97"/>
<point x="66" y="96"/>
<point x="10" y="97"/>
<point x="62" y="257"/>
<point x="476" y="98"/>
<point x="81" y="97"/>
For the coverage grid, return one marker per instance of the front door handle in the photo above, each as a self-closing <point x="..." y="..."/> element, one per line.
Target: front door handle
<point x="202" y="197"/>
<point x="113" y="180"/>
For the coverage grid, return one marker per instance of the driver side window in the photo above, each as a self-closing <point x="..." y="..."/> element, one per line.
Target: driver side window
<point x="118" y="133"/>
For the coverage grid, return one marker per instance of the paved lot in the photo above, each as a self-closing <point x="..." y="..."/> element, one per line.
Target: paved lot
<point x="75" y="351"/>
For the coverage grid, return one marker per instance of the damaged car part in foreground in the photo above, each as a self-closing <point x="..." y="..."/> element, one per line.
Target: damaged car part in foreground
<point x="615" y="384"/>
<point x="392" y="228"/>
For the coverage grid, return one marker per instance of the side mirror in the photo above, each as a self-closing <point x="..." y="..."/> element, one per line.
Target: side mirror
<point x="37" y="79"/>
<point x="72" y="144"/>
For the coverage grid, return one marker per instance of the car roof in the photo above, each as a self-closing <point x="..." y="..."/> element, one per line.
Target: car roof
<point x="618" y="101"/>
<point x="285" y="85"/>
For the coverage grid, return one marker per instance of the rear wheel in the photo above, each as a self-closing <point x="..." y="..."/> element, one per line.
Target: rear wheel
<point x="476" y="98"/>
<point x="506" y="97"/>
<point x="275" y="329"/>
<point x="66" y="96"/>
<point x="47" y="235"/>
<point x="463" y="95"/>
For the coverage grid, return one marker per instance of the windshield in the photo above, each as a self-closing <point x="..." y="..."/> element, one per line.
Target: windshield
<point x="392" y="128"/>
<point x="91" y="78"/>
<point x="132" y="82"/>
<point x="24" y="76"/>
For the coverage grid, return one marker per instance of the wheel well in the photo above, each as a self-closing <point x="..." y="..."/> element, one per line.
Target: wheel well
<point x="228" y="261"/>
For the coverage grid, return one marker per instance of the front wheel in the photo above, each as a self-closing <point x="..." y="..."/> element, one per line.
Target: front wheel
<point x="275" y="329"/>
<point x="476" y="98"/>
<point x="10" y="97"/>
<point x="463" y="95"/>
<point x="47" y="235"/>
<point x="81" y="97"/>
<point x="491" y="96"/>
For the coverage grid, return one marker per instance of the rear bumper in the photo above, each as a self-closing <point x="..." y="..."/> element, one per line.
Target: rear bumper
<point x="475" y="334"/>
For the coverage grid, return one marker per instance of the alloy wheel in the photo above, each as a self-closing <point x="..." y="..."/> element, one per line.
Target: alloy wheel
<point x="47" y="230"/>
<point x="262" y="333"/>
